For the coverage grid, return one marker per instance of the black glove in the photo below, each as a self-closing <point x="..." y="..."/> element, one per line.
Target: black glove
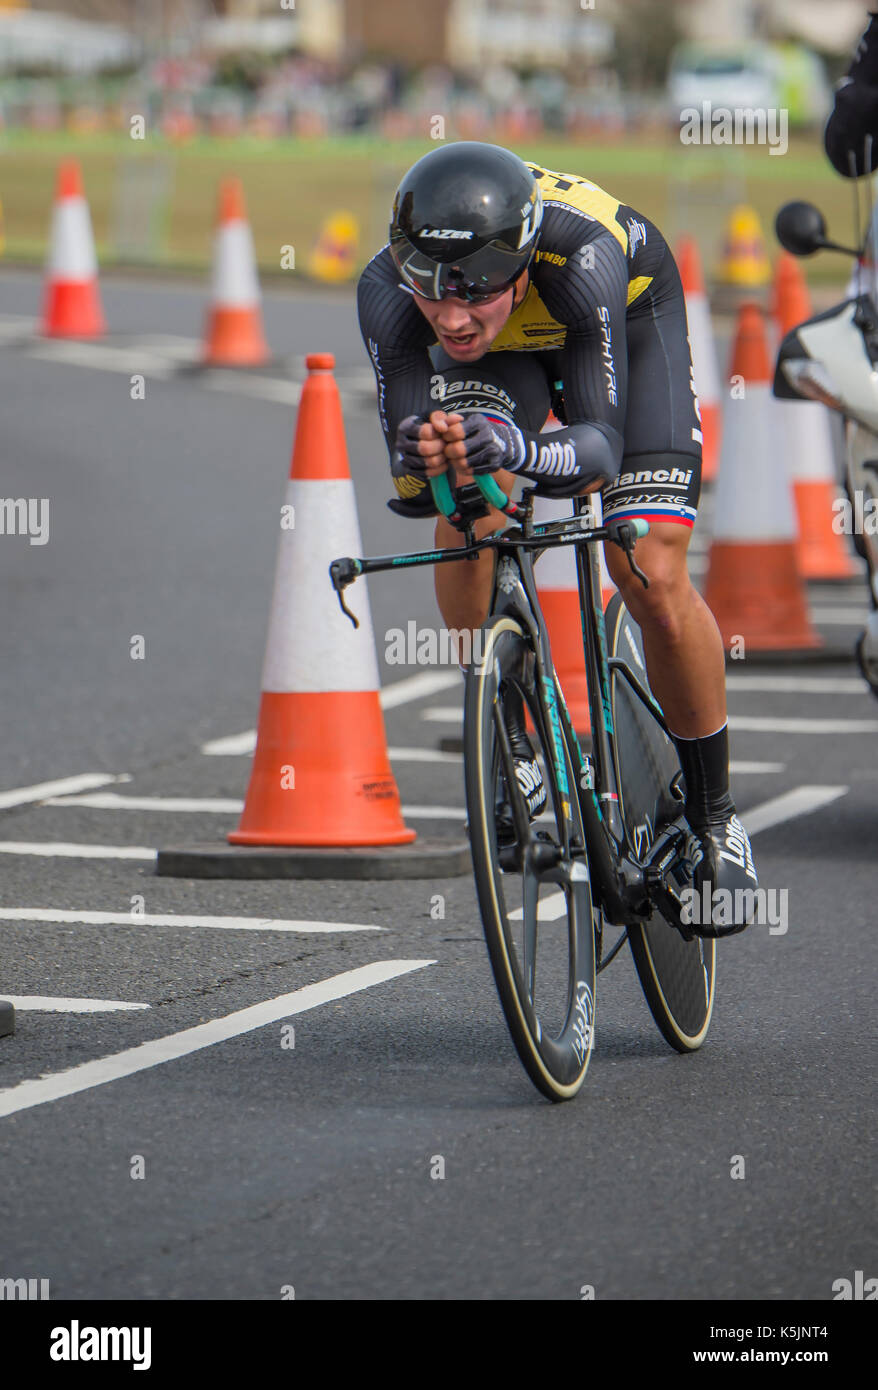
<point x="406" y="458"/>
<point x="491" y="445"/>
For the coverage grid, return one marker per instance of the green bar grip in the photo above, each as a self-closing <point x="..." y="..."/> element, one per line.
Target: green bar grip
<point x="488" y="486"/>
<point x="441" y="489"/>
<point x="492" y="491"/>
<point x="641" y="527"/>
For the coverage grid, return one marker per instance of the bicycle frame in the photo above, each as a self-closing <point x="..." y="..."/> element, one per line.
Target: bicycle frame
<point x="624" y="884"/>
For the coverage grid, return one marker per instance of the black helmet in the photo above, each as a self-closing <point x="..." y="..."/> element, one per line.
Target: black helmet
<point x="465" y="221"/>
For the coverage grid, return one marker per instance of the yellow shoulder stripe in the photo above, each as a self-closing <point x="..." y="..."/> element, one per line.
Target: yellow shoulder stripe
<point x="636" y="287"/>
<point x="582" y="195"/>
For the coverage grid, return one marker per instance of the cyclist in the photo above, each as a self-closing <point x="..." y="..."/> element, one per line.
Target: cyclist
<point x="508" y="289"/>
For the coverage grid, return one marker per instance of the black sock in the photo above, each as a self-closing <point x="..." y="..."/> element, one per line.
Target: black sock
<point x="705" y="764"/>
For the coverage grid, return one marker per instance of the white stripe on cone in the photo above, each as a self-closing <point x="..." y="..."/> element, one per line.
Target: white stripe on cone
<point x="311" y="645"/>
<point x="701" y="341"/>
<point x="71" y="252"/>
<point x="807" y="436"/>
<point x="753" y="464"/>
<point x="235" y="284"/>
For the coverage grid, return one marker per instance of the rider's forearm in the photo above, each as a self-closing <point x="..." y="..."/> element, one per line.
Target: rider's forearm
<point x="569" y="459"/>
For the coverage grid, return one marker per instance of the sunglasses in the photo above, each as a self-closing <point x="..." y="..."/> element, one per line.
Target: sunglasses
<point x="469" y="294"/>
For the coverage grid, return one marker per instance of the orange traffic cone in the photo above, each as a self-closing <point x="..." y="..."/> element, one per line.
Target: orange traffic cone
<point x="321" y="774"/>
<point x="820" y="552"/>
<point x="753" y="586"/>
<point x="72" y="306"/>
<point x="704" y="361"/>
<point x="559" y="600"/>
<point x="234" y="335"/>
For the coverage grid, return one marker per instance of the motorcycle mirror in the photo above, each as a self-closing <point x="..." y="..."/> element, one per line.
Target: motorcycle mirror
<point x="801" y="229"/>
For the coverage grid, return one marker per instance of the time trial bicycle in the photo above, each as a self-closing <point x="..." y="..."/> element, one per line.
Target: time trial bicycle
<point x="612" y="846"/>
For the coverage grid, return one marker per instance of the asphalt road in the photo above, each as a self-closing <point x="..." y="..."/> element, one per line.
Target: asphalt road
<point x="315" y="1166"/>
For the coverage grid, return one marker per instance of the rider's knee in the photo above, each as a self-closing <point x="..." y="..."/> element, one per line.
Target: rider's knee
<point x="663" y="605"/>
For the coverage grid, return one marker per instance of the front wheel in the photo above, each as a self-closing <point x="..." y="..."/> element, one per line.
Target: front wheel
<point x="531" y="877"/>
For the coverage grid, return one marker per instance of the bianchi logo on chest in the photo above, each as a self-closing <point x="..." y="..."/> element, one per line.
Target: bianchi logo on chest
<point x="446" y="233"/>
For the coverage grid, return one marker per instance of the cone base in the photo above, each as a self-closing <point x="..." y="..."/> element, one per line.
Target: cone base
<point x="427" y="859"/>
<point x="72" y="310"/>
<point x="321" y="776"/>
<point x="820" y="552"/>
<point x="754" y="591"/>
<point x="234" y="339"/>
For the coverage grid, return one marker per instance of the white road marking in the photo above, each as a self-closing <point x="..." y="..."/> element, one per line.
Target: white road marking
<point x="174" y="346"/>
<point x="801" y="801"/>
<point x="236" y="745"/>
<point x="19" y="796"/>
<point x="764" y="724"/>
<point x="264" y="388"/>
<point x="416" y="687"/>
<point x="13" y="324"/>
<point x="442" y="714"/>
<point x="112" y="801"/>
<point x="174" y="1045"/>
<point x="132" y="919"/>
<point x="549" y="909"/>
<point x="800" y="685"/>
<point x="839" y="616"/>
<point x="422" y="755"/>
<point x="51" y="850"/>
<point x="401" y="692"/>
<point x="46" y="1004"/>
<point x="105" y="357"/>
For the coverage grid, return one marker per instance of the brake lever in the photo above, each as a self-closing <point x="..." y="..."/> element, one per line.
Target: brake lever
<point x="625" y="534"/>
<point x="635" y="568"/>
<point x="342" y="573"/>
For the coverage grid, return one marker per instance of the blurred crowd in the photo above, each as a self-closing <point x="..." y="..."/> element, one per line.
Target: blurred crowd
<point x="304" y="96"/>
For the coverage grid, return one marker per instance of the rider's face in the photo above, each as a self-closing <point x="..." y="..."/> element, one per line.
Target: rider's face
<point x="466" y="331"/>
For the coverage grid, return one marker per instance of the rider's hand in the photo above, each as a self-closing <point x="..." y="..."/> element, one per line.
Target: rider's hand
<point x="478" y="445"/>
<point x="418" y="449"/>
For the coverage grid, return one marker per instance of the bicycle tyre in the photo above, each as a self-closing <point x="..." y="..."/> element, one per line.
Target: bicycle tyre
<point x="556" y="1062"/>
<point x="678" y="977"/>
